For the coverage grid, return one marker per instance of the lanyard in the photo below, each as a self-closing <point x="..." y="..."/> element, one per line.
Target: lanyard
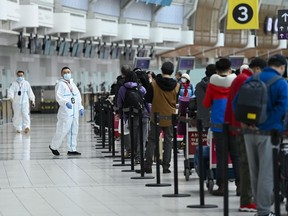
<point x="70" y="87"/>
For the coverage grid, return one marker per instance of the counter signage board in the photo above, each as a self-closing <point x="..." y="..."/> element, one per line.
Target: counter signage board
<point x="282" y="24"/>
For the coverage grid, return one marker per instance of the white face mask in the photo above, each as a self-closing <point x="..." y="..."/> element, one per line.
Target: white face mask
<point x="183" y="80"/>
<point x="20" y="79"/>
<point x="67" y="76"/>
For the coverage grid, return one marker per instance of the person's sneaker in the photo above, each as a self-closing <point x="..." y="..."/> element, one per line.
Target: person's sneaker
<point x="73" y="153"/>
<point x="166" y="170"/>
<point x="18" y="131"/>
<point x="55" y="152"/>
<point x="146" y="170"/>
<point x="218" y="192"/>
<point x="26" y="130"/>
<point x="248" y="208"/>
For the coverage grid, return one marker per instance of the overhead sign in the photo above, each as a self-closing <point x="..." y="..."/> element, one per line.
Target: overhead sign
<point x="242" y="14"/>
<point x="282" y="24"/>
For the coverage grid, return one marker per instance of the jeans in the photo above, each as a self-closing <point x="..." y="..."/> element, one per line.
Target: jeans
<point x="167" y="145"/>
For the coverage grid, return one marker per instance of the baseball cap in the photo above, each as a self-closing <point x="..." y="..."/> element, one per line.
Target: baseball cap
<point x="258" y="62"/>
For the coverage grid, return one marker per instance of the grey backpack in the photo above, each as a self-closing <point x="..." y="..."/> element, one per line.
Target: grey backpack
<point x="251" y="105"/>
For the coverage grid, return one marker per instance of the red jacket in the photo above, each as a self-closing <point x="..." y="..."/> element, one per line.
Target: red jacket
<point x="235" y="86"/>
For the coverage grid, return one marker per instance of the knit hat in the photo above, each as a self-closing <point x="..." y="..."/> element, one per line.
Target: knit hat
<point x="186" y="76"/>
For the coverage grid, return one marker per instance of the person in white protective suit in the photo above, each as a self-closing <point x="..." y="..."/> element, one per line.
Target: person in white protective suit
<point x="20" y="92"/>
<point x="69" y="100"/>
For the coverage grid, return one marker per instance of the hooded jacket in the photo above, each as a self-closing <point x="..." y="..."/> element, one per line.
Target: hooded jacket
<point x="216" y="97"/>
<point x="203" y="113"/>
<point x="235" y="86"/>
<point x="163" y="97"/>
<point x="277" y="101"/>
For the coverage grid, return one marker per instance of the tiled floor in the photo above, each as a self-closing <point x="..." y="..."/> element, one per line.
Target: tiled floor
<point x="34" y="182"/>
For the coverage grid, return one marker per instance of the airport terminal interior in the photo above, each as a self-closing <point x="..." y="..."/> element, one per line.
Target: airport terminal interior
<point x="94" y="38"/>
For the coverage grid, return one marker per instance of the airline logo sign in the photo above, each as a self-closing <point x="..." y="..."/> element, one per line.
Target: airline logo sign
<point x="282" y="24"/>
<point x="242" y="14"/>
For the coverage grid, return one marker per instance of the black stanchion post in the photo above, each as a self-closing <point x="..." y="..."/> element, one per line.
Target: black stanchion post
<point x="158" y="180"/>
<point x="103" y="124"/>
<point x="141" y="140"/>
<point x="176" y="193"/>
<point x="91" y="107"/>
<point x="107" y="110"/>
<point x="226" y="141"/>
<point x="131" y="132"/>
<point x="122" y="140"/>
<point x="111" y="131"/>
<point x="201" y="169"/>
<point x="275" y="139"/>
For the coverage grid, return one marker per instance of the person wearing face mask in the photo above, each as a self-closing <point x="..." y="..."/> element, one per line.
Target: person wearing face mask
<point x="20" y="92"/>
<point x="70" y="107"/>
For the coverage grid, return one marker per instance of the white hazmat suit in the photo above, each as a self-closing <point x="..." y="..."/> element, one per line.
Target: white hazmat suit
<point x="68" y="119"/>
<point x="19" y="93"/>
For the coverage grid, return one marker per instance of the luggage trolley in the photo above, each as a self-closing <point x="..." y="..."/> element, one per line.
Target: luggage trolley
<point x="209" y="161"/>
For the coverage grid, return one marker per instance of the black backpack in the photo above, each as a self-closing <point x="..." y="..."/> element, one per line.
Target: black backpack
<point x="251" y="105"/>
<point x="133" y="98"/>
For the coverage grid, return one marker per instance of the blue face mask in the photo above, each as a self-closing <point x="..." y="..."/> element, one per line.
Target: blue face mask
<point x="67" y="76"/>
<point x="20" y="79"/>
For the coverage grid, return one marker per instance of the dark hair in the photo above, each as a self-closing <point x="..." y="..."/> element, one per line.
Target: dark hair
<point x="131" y="76"/>
<point x="222" y="65"/>
<point x="277" y="60"/>
<point x="152" y="74"/>
<point x="178" y="73"/>
<point x="258" y="62"/>
<point x="125" y="69"/>
<point x="20" y="71"/>
<point x="64" y="68"/>
<point x="167" y="68"/>
<point x="210" y="70"/>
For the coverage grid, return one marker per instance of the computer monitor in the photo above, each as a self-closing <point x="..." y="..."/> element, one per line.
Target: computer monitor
<point x="186" y="63"/>
<point x="236" y="61"/>
<point x="142" y="62"/>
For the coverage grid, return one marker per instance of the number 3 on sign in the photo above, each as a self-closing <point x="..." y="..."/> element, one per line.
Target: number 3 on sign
<point x="242" y="14"/>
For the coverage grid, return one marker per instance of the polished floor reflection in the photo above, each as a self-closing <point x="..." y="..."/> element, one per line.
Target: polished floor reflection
<point x="34" y="182"/>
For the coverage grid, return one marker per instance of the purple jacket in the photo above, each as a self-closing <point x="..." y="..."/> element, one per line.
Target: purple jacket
<point x="122" y="92"/>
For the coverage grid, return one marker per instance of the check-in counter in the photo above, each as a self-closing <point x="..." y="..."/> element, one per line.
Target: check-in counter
<point x="6" y="110"/>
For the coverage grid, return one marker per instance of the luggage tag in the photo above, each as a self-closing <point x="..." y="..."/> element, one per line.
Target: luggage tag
<point x="73" y="100"/>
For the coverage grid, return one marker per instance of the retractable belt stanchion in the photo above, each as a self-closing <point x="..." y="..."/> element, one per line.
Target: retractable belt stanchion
<point x="107" y="110"/>
<point x="275" y="139"/>
<point x="226" y="141"/>
<point x="131" y="131"/>
<point x="201" y="170"/>
<point x="91" y="107"/>
<point x="158" y="180"/>
<point x="176" y="194"/>
<point x="111" y="131"/>
<point x="103" y="135"/>
<point x="122" y="140"/>
<point x="141" y="140"/>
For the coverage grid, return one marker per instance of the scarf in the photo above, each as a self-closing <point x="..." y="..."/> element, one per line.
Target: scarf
<point x="186" y="85"/>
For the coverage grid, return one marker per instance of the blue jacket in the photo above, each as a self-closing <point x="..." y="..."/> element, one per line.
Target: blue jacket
<point x="277" y="101"/>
